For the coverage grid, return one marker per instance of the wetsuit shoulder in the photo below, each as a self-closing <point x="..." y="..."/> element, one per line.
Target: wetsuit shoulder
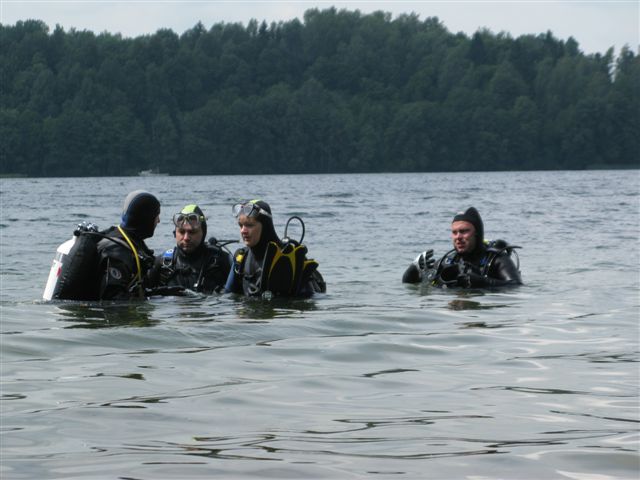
<point x="505" y="269"/>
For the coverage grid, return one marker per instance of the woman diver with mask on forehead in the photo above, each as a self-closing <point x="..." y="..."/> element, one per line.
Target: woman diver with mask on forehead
<point x="267" y="263"/>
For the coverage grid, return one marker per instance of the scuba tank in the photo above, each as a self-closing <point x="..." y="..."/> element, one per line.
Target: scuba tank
<point x="74" y="272"/>
<point x="495" y="248"/>
<point x="56" y="268"/>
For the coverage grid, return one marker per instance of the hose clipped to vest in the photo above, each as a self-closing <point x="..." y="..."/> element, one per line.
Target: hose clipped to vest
<point x="286" y="238"/>
<point x="135" y="255"/>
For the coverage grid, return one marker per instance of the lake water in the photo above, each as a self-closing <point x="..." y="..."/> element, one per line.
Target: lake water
<point x="375" y="379"/>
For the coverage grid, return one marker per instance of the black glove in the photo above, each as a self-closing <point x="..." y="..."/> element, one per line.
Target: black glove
<point x="166" y="273"/>
<point x="424" y="261"/>
<point x="85" y="227"/>
<point x="147" y="261"/>
<point x="420" y="268"/>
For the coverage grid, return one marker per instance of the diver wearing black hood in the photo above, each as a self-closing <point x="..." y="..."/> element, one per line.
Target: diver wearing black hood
<point x="473" y="262"/>
<point x="125" y="259"/>
<point x="253" y="264"/>
<point x="194" y="263"/>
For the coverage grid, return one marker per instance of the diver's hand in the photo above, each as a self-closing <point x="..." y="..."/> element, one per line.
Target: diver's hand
<point x="85" y="226"/>
<point x="147" y="261"/>
<point x="165" y="273"/>
<point x="470" y="280"/>
<point x="420" y="268"/>
<point x="424" y="261"/>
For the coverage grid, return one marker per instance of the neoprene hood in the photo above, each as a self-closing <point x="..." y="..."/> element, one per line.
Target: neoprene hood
<point x="268" y="230"/>
<point x="139" y="213"/>
<point x="472" y="216"/>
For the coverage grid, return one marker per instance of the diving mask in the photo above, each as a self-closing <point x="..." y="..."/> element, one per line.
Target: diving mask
<point x="249" y="209"/>
<point x="193" y="219"/>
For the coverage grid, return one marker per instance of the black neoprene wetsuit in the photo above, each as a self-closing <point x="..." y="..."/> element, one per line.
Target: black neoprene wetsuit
<point x="481" y="268"/>
<point x="204" y="270"/>
<point x="118" y="269"/>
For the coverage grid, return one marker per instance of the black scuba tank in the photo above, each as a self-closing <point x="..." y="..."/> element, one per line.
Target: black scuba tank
<point x="74" y="273"/>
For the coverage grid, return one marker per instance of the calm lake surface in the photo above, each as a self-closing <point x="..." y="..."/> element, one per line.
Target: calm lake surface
<point x="375" y="379"/>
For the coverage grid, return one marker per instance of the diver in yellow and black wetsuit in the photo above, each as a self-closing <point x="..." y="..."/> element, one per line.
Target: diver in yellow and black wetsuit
<point x="267" y="263"/>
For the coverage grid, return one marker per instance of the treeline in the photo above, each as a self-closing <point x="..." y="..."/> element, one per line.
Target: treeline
<point x="340" y="91"/>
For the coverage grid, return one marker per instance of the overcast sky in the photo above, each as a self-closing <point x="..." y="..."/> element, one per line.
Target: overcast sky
<point x="595" y="25"/>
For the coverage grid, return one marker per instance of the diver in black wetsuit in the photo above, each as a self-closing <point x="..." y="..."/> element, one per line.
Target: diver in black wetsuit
<point x="125" y="259"/>
<point x="193" y="263"/>
<point x="473" y="263"/>
<point x="252" y="264"/>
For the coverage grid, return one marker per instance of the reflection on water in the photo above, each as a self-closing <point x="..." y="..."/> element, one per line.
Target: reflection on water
<point x="460" y="304"/>
<point x="480" y="325"/>
<point x="197" y="309"/>
<point x="257" y="309"/>
<point x="374" y="380"/>
<point x="105" y="316"/>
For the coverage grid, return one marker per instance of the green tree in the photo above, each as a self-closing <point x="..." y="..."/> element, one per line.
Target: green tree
<point x="340" y="91"/>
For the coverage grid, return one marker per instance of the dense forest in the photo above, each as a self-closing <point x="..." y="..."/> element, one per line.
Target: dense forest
<point x="339" y="91"/>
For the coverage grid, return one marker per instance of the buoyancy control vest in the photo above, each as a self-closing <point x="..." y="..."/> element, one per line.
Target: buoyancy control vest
<point x="75" y="274"/>
<point x="284" y="271"/>
<point x="447" y="270"/>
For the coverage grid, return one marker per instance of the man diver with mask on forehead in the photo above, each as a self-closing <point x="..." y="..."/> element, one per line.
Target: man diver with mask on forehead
<point x="473" y="262"/>
<point x="194" y="263"/>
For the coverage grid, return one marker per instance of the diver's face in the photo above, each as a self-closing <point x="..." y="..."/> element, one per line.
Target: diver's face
<point x="463" y="235"/>
<point x="250" y="230"/>
<point x="188" y="238"/>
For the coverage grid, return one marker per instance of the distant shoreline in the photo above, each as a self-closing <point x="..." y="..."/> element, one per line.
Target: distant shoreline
<point x="592" y="168"/>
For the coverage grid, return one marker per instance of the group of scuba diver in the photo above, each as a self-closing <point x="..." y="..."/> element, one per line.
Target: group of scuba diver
<point x="116" y="264"/>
